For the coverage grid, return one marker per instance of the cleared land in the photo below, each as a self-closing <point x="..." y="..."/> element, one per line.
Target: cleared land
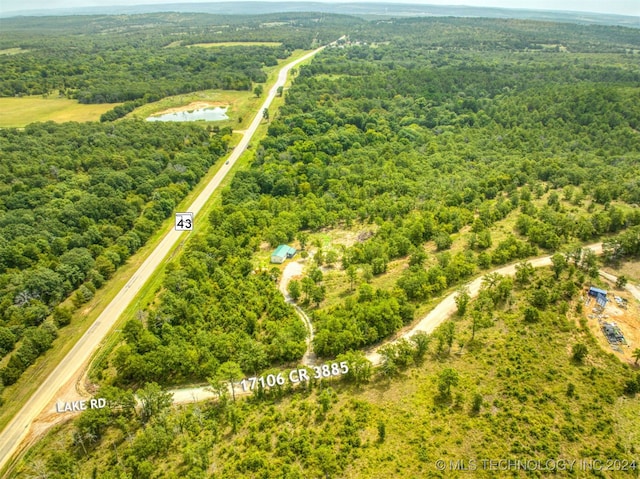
<point x="236" y="44"/>
<point x="19" y="112"/>
<point x="12" y="51"/>
<point x="196" y="105"/>
<point x="626" y="318"/>
<point x="630" y="269"/>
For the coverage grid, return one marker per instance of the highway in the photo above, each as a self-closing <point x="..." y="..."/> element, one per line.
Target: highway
<point x="72" y="366"/>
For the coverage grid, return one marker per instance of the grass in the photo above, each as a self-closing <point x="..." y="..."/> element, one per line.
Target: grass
<point x="522" y="372"/>
<point x="12" y="51"/>
<point x="630" y="269"/>
<point x="236" y="44"/>
<point x="239" y="103"/>
<point x="242" y="104"/>
<point x="19" y="112"/>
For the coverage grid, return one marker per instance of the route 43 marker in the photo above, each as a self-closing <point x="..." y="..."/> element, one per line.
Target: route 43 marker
<point x="184" y="221"/>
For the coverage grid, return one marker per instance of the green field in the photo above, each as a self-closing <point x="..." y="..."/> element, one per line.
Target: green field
<point x="236" y="44"/>
<point x="19" y="112"/>
<point x="506" y="403"/>
<point x="12" y="51"/>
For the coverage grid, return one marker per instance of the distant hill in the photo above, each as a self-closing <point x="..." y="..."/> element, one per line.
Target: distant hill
<point x="359" y="9"/>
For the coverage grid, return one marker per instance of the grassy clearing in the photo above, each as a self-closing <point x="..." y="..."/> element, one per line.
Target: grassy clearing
<point x="19" y="112"/>
<point x="630" y="269"/>
<point x="242" y="105"/>
<point x="236" y="44"/>
<point x="239" y="104"/>
<point x="330" y="77"/>
<point x="13" y="51"/>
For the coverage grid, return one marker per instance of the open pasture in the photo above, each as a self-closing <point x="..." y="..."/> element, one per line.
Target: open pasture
<point x="19" y="112"/>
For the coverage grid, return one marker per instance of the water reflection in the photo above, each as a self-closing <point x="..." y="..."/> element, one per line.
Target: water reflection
<point x="217" y="113"/>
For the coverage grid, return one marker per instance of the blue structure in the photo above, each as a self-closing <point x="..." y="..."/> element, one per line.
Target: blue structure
<point x="600" y="295"/>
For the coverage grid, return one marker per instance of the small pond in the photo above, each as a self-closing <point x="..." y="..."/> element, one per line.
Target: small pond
<point x="207" y="114"/>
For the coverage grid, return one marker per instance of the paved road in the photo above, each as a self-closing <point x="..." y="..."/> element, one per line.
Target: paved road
<point x="73" y="364"/>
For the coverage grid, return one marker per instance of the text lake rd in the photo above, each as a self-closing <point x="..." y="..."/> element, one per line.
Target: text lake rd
<point x="80" y="405"/>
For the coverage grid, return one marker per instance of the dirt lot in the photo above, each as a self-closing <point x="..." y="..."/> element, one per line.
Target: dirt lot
<point x="627" y="320"/>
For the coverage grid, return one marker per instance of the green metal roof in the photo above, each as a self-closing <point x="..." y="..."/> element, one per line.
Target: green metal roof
<point x="283" y="250"/>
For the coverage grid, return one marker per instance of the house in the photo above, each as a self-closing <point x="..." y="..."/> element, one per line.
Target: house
<point x="600" y="295"/>
<point x="282" y="252"/>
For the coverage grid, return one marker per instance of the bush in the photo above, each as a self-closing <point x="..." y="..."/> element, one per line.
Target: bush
<point x="579" y="352"/>
<point x="443" y="241"/>
<point x="7" y="340"/>
<point x="83" y="295"/>
<point x="476" y="404"/>
<point x="632" y="386"/>
<point x="62" y="316"/>
<point x="531" y="315"/>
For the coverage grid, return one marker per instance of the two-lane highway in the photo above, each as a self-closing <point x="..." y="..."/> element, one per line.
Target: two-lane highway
<point x="73" y="364"/>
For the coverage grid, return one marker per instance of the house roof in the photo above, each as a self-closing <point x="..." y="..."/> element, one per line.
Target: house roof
<point x="283" y="250"/>
<point x="593" y="290"/>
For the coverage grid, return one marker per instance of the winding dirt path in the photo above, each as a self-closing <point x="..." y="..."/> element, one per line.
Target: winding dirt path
<point x="443" y="311"/>
<point x="36" y="414"/>
<point x="447" y="307"/>
<point x="291" y="271"/>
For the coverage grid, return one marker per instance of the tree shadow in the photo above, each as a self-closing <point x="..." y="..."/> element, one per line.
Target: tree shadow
<point x="443" y="401"/>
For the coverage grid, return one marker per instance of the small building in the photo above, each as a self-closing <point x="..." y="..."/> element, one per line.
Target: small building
<point x="282" y="253"/>
<point x="595" y="292"/>
<point x="600" y="295"/>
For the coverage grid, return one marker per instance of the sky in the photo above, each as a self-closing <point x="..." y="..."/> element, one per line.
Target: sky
<point x="621" y="7"/>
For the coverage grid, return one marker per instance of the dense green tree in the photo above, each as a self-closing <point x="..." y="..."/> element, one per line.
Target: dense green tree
<point x="447" y="378"/>
<point x="293" y="288"/>
<point x="462" y="300"/>
<point x="360" y="368"/>
<point x="153" y="401"/>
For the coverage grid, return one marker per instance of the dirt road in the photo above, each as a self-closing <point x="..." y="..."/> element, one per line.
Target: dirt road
<point x="291" y="271"/>
<point x="72" y="366"/>
<point x="447" y="306"/>
<point x="431" y="321"/>
<point x="633" y="289"/>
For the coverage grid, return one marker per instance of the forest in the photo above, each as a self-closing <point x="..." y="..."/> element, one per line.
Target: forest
<point x="146" y="57"/>
<point x="77" y="200"/>
<point x="459" y="145"/>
